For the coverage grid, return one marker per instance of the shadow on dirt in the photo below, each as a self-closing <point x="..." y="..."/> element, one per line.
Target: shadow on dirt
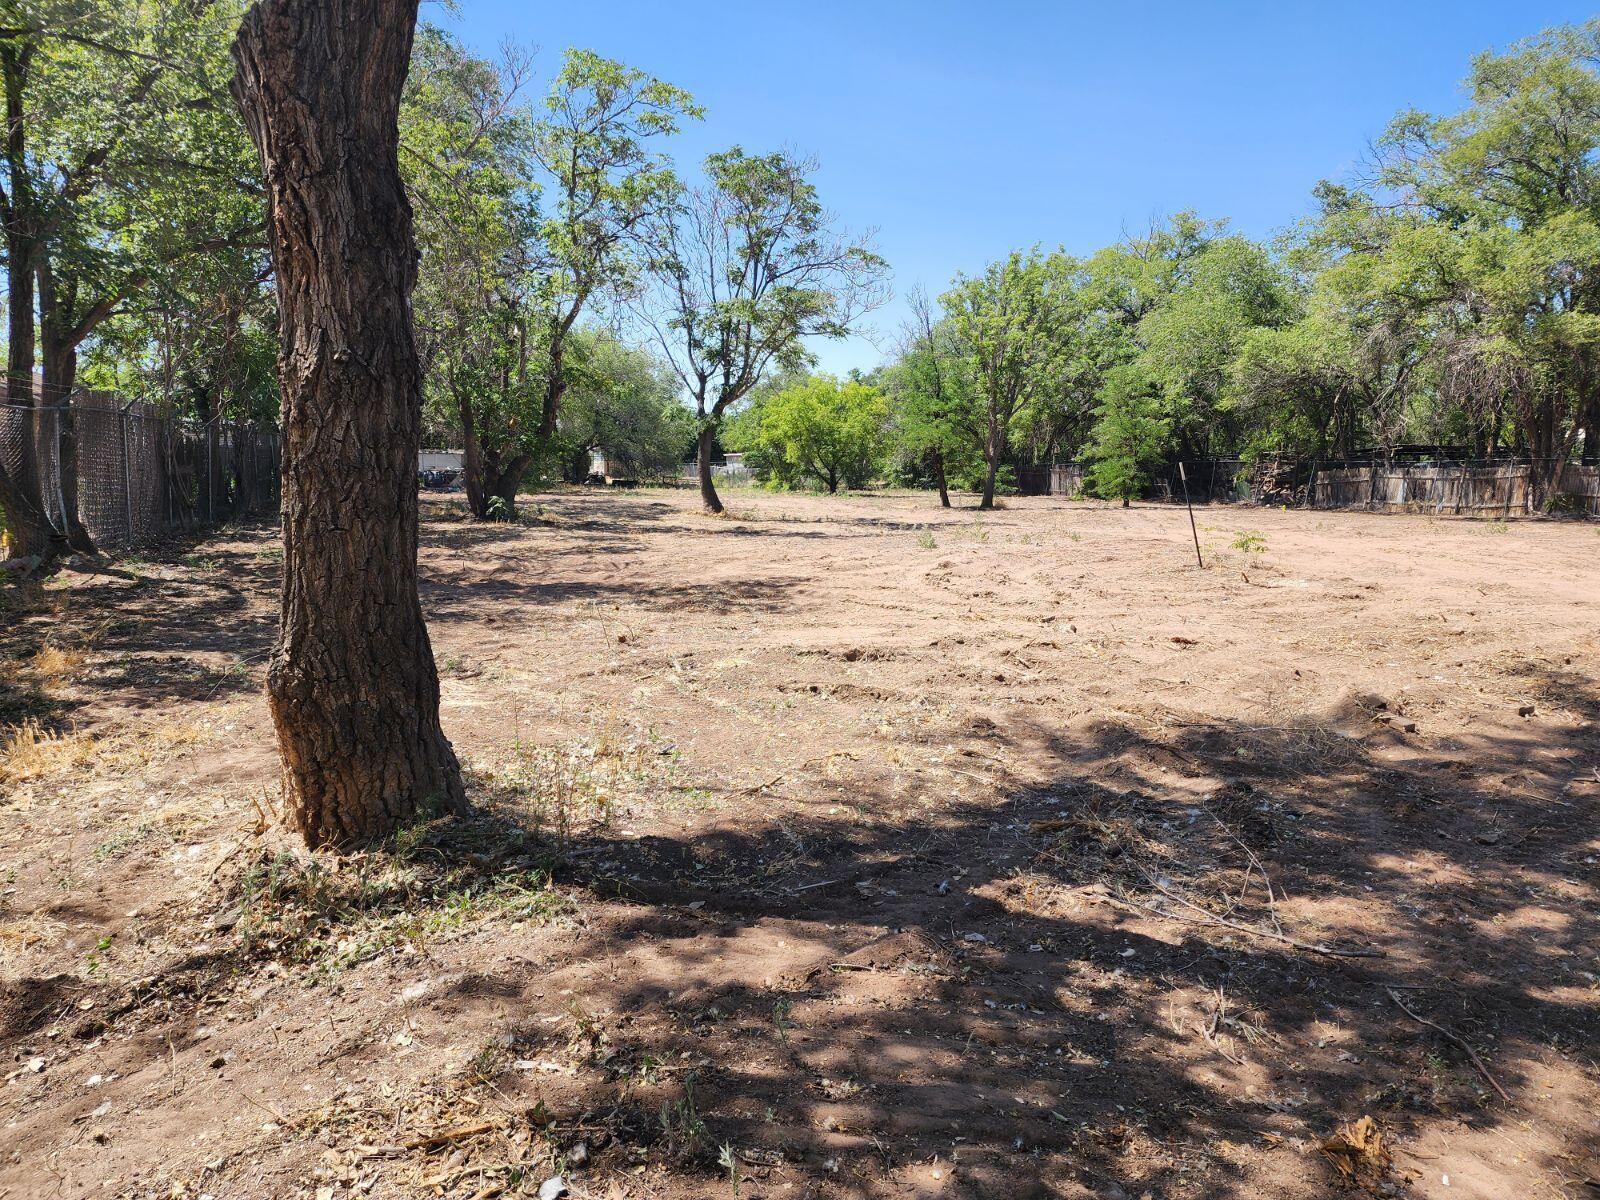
<point x="1074" y="982"/>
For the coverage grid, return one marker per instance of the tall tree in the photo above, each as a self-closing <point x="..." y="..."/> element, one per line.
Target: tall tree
<point x="1013" y="325"/>
<point x="466" y="142"/>
<point x="352" y="685"/>
<point x="746" y="267"/>
<point x="929" y="392"/>
<point x="1509" y="192"/>
<point x="606" y="183"/>
<point x="122" y="158"/>
<point x="506" y="283"/>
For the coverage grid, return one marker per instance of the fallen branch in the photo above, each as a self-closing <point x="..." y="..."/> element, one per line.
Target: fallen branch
<point x="459" y="1134"/>
<point x="1454" y="1037"/>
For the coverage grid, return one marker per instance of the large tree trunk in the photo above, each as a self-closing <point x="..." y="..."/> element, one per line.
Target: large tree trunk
<point x="708" y="487"/>
<point x="994" y="448"/>
<point x="351" y="685"/>
<point x="506" y="483"/>
<point x="471" y="458"/>
<point x="990" y="467"/>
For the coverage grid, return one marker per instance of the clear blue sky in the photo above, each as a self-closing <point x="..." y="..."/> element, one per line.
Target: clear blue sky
<point x="961" y="130"/>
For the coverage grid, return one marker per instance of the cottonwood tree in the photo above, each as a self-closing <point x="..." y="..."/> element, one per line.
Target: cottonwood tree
<point x="745" y="267"/>
<point x="351" y="685"/>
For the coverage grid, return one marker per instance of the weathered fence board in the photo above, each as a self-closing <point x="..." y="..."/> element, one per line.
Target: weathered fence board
<point x="1478" y="489"/>
<point x="1053" y="479"/>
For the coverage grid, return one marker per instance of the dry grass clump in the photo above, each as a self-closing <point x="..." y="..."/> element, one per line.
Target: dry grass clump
<point x="560" y="792"/>
<point x="51" y="663"/>
<point x="433" y="878"/>
<point x="30" y="752"/>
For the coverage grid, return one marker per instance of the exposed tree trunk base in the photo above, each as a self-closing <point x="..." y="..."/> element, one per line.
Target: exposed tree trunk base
<point x="938" y="475"/>
<point x="708" y="487"/>
<point x="351" y="685"/>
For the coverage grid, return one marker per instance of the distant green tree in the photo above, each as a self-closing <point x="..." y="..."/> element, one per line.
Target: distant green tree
<point x="744" y="268"/>
<point x="819" y="429"/>
<point x="930" y="403"/>
<point x="1130" y="435"/>
<point x="623" y="402"/>
<point x="1013" y="324"/>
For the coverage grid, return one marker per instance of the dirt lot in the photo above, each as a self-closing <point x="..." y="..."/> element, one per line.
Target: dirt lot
<point x="842" y="847"/>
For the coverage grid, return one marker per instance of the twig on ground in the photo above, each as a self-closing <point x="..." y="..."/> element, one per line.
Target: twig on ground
<point x="1210" y="1031"/>
<point x="754" y="788"/>
<point x="1454" y="1037"/>
<point x="1211" y="918"/>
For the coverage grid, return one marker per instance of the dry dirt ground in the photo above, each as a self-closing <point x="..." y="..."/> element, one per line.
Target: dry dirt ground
<point x="838" y="848"/>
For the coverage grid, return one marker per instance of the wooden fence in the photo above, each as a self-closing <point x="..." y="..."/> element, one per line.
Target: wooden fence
<point x="1479" y="489"/>
<point x="1054" y="479"/>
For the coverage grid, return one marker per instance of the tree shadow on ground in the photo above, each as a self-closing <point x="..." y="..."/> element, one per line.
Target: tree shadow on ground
<point x="1078" y="984"/>
<point x="460" y="595"/>
<point x="170" y="626"/>
<point x="1074" y="984"/>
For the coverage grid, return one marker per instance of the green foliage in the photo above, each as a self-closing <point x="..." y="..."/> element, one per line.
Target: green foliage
<point x="817" y="429"/>
<point x="1454" y="300"/>
<point x="1014" y="324"/>
<point x="131" y="195"/>
<point x="744" y="269"/>
<point x="1130" y="435"/>
<point x="624" y="403"/>
<point x="505" y="281"/>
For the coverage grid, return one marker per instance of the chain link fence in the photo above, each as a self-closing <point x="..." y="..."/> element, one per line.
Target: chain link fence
<point x="134" y="472"/>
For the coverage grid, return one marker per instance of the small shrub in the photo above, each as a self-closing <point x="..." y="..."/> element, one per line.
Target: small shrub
<point x="1249" y="542"/>
<point x="680" y="1122"/>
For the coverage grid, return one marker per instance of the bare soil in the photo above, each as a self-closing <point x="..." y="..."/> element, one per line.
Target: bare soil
<point x="838" y="848"/>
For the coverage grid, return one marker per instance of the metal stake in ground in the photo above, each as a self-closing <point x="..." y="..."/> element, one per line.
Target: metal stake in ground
<point x="1184" y="475"/>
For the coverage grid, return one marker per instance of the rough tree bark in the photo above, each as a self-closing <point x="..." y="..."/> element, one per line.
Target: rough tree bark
<point x="352" y="684"/>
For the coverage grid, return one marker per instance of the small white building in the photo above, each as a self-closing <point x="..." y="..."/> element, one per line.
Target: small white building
<point x="441" y="460"/>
